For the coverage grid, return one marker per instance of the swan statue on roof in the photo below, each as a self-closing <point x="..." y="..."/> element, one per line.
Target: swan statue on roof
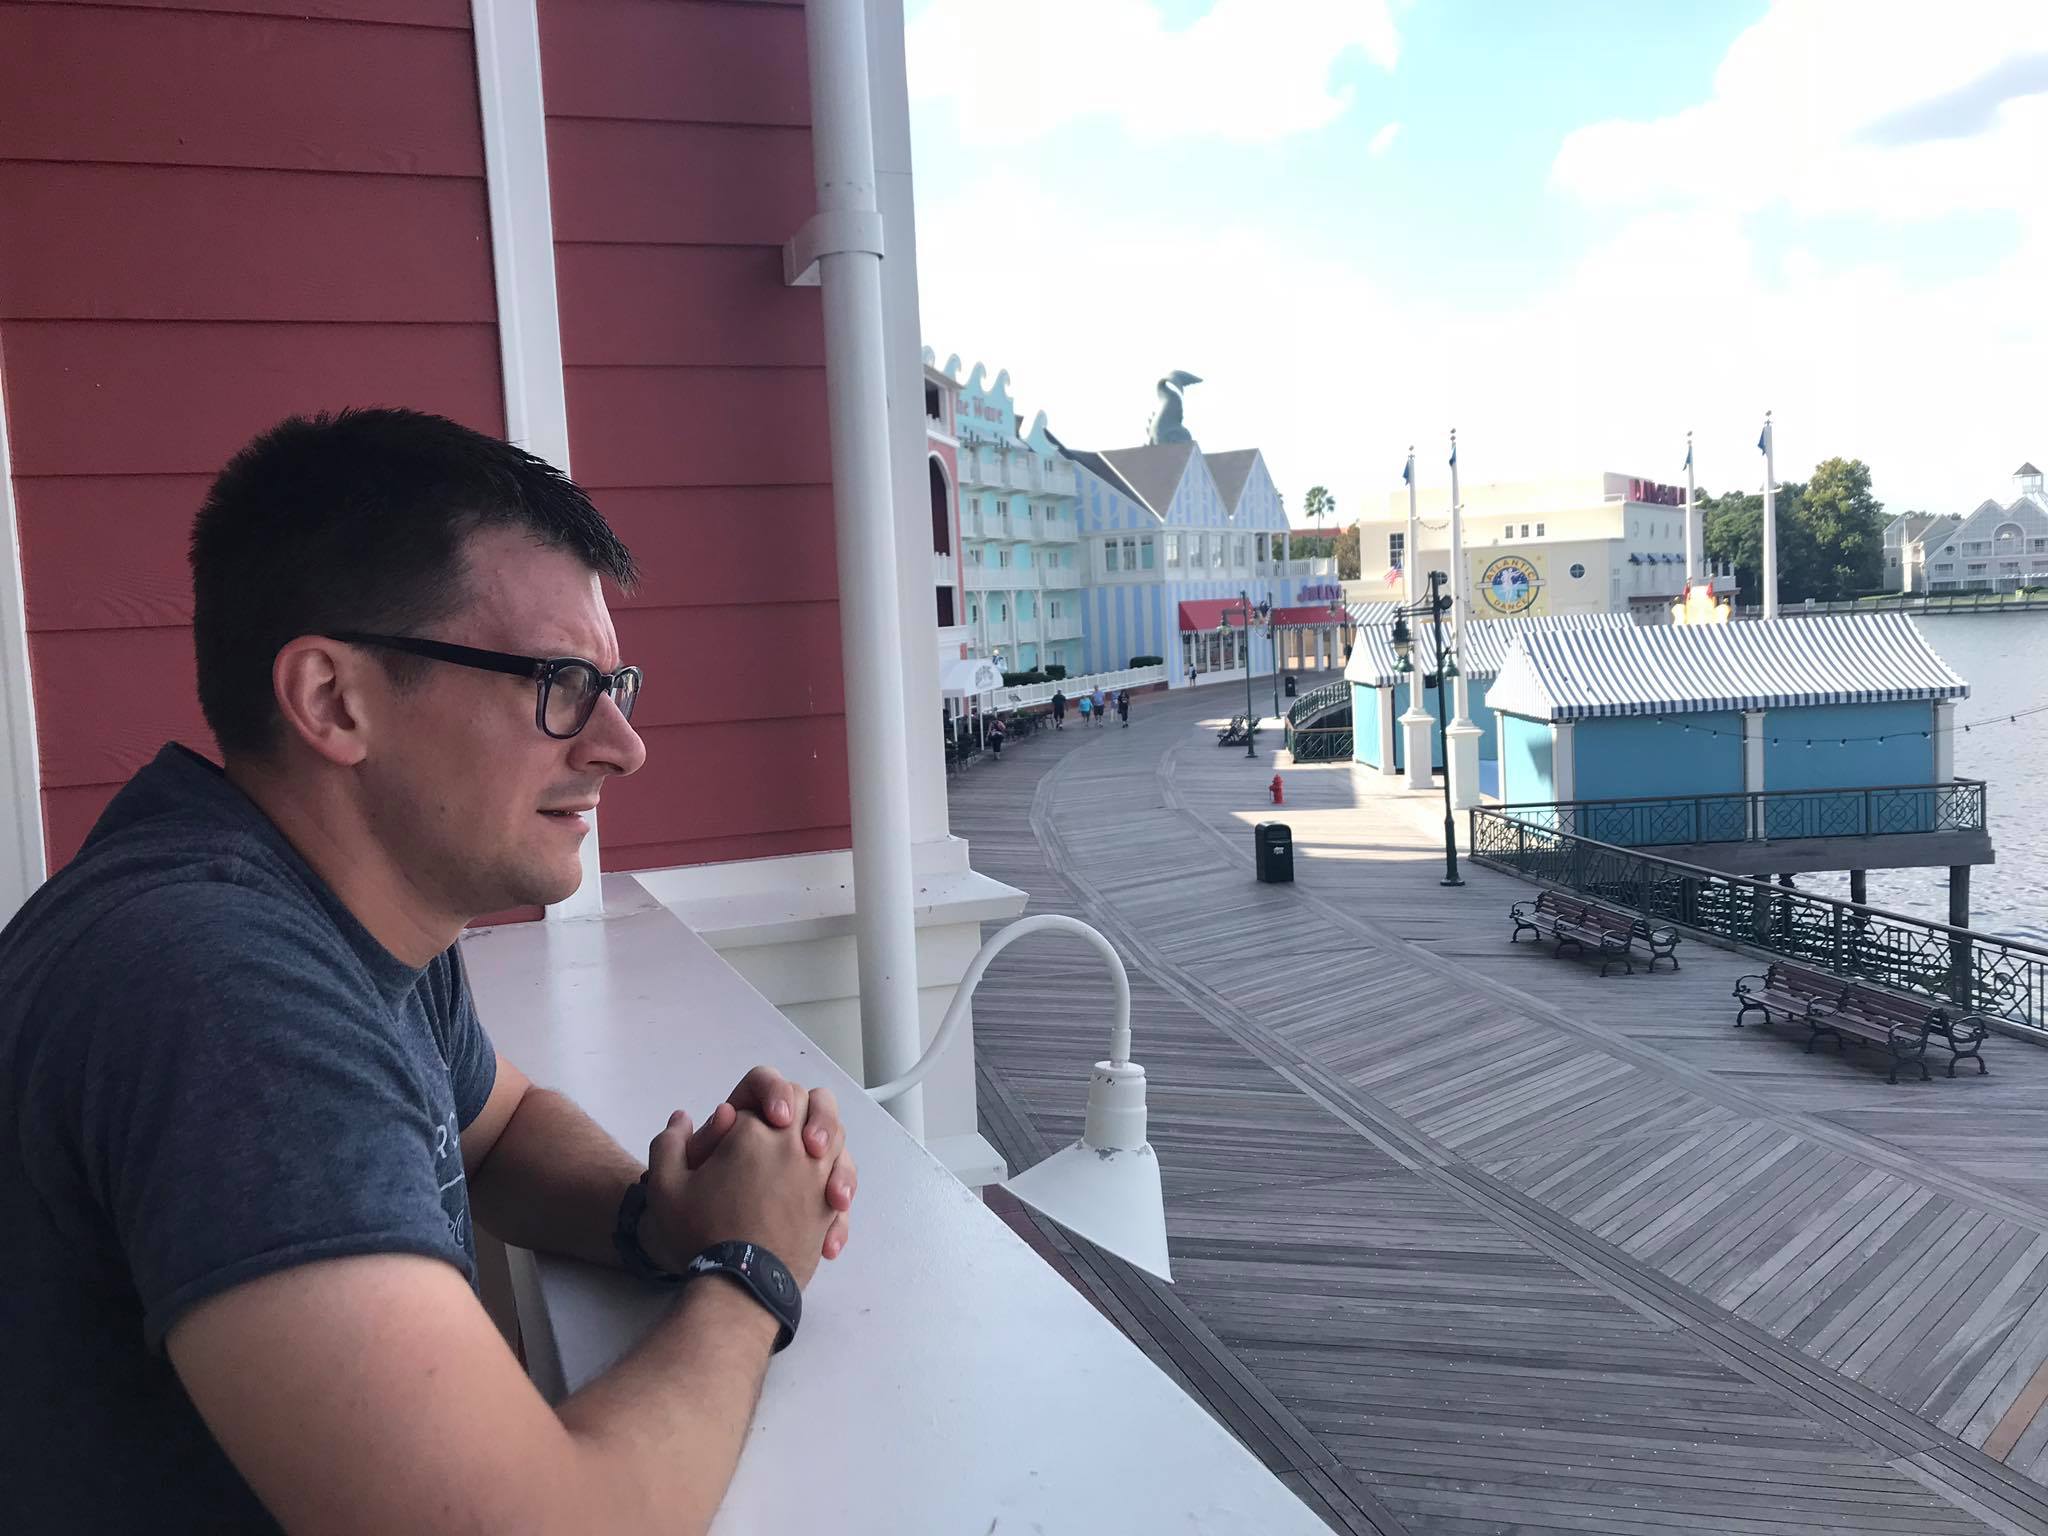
<point x="1166" y="425"/>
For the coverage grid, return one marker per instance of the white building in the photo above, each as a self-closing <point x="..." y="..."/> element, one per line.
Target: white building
<point x="1996" y="548"/>
<point x="1580" y="544"/>
<point x="1906" y="538"/>
<point x="1018" y="532"/>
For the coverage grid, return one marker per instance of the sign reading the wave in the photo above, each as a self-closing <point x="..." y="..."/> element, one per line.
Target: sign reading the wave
<point x="1650" y="492"/>
<point x="1320" y="592"/>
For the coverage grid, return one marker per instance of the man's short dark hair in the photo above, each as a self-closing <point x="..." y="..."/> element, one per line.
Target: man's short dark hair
<point x="357" y="520"/>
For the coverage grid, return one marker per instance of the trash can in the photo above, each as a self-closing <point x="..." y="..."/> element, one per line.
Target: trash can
<point x="1274" y="841"/>
<point x="1290" y="685"/>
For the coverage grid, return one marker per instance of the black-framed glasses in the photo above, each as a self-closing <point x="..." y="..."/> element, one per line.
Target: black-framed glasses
<point x="567" y="687"/>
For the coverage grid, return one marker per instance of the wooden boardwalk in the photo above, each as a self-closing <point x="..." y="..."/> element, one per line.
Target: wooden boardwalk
<point x="1469" y="1239"/>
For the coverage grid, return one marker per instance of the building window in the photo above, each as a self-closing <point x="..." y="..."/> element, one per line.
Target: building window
<point x="1052" y="607"/>
<point x="1003" y="558"/>
<point x="1147" y="555"/>
<point x="1002" y="611"/>
<point x="1027" y="607"/>
<point x="1260" y="548"/>
<point x="1397" y="550"/>
<point x="1217" y="558"/>
<point x="974" y="555"/>
<point x="1539" y="530"/>
<point x="1173" y="549"/>
<point x="1109" y="555"/>
<point x="1130" y="554"/>
<point x="973" y="611"/>
<point x="1525" y="530"/>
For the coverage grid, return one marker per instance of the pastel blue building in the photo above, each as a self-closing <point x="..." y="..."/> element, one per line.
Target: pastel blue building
<point x="1843" y="703"/>
<point x="1172" y="537"/>
<point x="1379" y="688"/>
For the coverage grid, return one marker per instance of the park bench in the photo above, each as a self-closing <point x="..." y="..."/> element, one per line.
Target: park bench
<point x="1585" y="927"/>
<point x="1860" y="1011"/>
<point x="1237" y="733"/>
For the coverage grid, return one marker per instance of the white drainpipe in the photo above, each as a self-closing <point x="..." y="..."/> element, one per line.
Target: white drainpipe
<point x="841" y="248"/>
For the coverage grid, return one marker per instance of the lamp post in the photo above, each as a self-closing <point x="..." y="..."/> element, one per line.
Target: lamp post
<point x="1446" y="669"/>
<point x="1104" y="1187"/>
<point x="1248" y="612"/>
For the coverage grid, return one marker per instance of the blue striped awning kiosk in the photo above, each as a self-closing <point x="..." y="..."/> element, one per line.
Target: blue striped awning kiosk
<point x="1480" y="654"/>
<point x="1671" y="669"/>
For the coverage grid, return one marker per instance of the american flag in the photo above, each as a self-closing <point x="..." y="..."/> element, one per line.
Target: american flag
<point x="1393" y="575"/>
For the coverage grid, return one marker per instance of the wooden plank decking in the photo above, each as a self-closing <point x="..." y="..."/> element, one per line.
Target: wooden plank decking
<point x="1470" y="1239"/>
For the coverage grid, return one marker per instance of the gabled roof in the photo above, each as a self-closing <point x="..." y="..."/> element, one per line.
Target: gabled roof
<point x="1666" y="669"/>
<point x="1101" y="468"/>
<point x="1232" y="470"/>
<point x="1154" y="471"/>
<point x="1480" y="654"/>
<point x="2026" y="469"/>
<point x="1981" y="524"/>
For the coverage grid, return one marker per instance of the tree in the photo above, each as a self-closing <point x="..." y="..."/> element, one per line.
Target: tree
<point x="1318" y="504"/>
<point x="1346" y="550"/>
<point x="1847" y="524"/>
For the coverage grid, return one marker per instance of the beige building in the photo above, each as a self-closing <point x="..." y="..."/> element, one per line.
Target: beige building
<point x="1581" y="544"/>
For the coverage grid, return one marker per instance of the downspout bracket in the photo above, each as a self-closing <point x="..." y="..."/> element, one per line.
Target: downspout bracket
<point x="835" y="232"/>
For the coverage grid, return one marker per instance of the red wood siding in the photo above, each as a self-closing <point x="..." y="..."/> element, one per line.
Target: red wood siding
<point x="212" y="214"/>
<point x="680" y="160"/>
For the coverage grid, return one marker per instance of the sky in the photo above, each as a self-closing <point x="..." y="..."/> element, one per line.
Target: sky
<point x="1572" y="229"/>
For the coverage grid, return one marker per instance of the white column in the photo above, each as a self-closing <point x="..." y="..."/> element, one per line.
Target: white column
<point x="1944" y="735"/>
<point x="1383" y="701"/>
<point x="903" y="355"/>
<point x="1564" y="774"/>
<point x="844" y="241"/>
<point x="523" y="262"/>
<point x="1753" y="765"/>
<point x="1462" y="736"/>
<point x="1415" y="720"/>
<point x="22" y="851"/>
<point x="1694" y="535"/>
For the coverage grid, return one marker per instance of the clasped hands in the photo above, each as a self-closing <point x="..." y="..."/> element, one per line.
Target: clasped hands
<point x="770" y="1167"/>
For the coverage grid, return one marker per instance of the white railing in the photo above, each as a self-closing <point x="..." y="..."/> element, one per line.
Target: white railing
<point x="1062" y="578"/>
<point x="945" y="570"/>
<point x="1108" y="682"/>
<point x="1060" y="530"/>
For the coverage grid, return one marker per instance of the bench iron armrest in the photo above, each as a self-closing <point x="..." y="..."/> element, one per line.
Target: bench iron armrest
<point x="1966" y="1027"/>
<point x="1744" y="989"/>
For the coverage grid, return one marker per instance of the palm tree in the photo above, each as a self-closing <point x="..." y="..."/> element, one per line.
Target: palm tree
<point x="1319" y="504"/>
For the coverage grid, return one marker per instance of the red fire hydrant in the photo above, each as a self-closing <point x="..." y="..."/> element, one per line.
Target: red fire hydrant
<point x="1279" y="797"/>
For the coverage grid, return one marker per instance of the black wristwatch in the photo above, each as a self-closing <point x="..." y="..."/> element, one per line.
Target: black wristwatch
<point x="766" y="1278"/>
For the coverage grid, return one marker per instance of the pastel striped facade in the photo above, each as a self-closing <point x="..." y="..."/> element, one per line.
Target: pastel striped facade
<point x="1196" y="545"/>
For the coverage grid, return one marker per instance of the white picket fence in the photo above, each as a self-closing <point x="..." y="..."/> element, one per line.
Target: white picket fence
<point x="1074" y="687"/>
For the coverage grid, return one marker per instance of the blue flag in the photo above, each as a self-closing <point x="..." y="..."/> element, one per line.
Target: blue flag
<point x="1763" y="439"/>
<point x="1454" y="455"/>
<point x="1408" y="471"/>
<point x="1688" y="455"/>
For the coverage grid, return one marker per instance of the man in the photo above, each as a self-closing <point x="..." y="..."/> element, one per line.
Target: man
<point x="1100" y="699"/>
<point x="251" y="1110"/>
<point x="1123" y="707"/>
<point x="1059" y="709"/>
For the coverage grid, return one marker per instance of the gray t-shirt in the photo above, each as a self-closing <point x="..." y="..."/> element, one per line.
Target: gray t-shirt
<point x="209" y="1071"/>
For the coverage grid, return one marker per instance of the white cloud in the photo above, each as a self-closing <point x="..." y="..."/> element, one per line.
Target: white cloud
<point x="1248" y="71"/>
<point x="1383" y="140"/>
<point x="1675" y="321"/>
<point x="1814" y="109"/>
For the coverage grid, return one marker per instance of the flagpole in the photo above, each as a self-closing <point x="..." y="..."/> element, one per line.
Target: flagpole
<point x="1461" y="597"/>
<point x="1693" y="538"/>
<point x="1461" y="736"/>
<point x="1769" y="445"/>
<point x="1415" y="723"/>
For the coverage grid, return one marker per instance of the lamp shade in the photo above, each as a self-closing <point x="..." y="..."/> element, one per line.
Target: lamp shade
<point x="1105" y="1187"/>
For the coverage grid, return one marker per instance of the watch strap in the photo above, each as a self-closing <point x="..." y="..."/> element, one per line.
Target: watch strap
<point x="764" y="1276"/>
<point x="633" y="1258"/>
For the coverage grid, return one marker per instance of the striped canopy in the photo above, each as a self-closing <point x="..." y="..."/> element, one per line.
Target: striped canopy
<point x="1479" y="655"/>
<point x="1685" y="669"/>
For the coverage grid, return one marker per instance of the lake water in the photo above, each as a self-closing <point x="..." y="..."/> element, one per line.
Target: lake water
<point x="2004" y="659"/>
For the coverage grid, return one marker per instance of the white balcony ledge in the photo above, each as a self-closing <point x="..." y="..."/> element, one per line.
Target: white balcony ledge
<point x="946" y="1379"/>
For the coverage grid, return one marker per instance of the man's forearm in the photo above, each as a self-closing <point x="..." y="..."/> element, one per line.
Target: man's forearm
<point x="553" y="1180"/>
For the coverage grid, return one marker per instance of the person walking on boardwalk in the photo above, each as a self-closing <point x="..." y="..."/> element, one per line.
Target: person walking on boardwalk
<point x="996" y="732"/>
<point x="1087" y="706"/>
<point x="1059" y="709"/>
<point x="1123" y="707"/>
<point x="1101" y="700"/>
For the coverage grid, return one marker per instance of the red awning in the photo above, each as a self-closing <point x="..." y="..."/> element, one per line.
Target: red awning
<point x="1208" y="612"/>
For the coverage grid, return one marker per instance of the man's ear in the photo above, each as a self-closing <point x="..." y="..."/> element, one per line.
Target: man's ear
<point x="322" y="688"/>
